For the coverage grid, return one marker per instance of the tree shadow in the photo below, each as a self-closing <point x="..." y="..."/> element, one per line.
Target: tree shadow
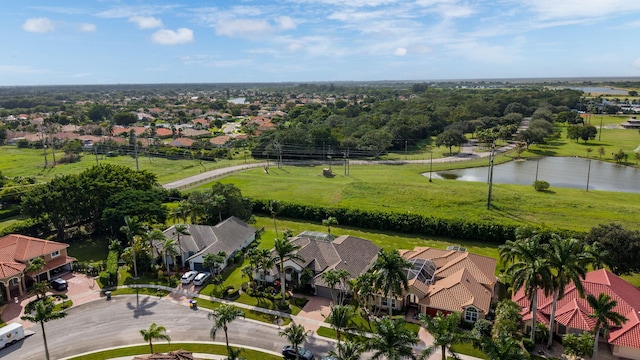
<point x="143" y="307"/>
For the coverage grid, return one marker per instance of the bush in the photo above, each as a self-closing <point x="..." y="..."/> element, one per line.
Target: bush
<point x="482" y="327"/>
<point x="69" y="158"/>
<point x="299" y="301"/>
<point x="528" y="344"/>
<point x="540" y="185"/>
<point x="282" y="306"/>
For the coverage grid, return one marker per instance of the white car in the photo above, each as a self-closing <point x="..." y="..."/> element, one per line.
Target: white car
<point x="201" y="278"/>
<point x="188" y="277"/>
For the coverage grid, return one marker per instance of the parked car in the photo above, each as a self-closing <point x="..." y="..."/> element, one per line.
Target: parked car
<point x="329" y="357"/>
<point x="201" y="278"/>
<point x="289" y="352"/>
<point x="188" y="277"/>
<point x="59" y="284"/>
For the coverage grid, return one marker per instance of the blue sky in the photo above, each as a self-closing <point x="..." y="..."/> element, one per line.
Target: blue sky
<point x="185" y="41"/>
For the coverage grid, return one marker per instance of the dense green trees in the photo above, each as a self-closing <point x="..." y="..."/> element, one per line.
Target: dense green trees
<point x="619" y="248"/>
<point x="390" y="271"/>
<point x="81" y="199"/>
<point x="450" y="138"/>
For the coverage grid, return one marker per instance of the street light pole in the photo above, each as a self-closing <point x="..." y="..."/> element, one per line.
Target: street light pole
<point x="493" y="146"/>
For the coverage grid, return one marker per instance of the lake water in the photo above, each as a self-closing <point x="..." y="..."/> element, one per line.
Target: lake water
<point x="601" y="90"/>
<point x="560" y="172"/>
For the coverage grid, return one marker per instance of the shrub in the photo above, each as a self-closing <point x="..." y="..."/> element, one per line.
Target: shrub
<point x="528" y="344"/>
<point x="540" y="185"/>
<point x="69" y="158"/>
<point x="299" y="301"/>
<point x="482" y="327"/>
<point x="282" y="306"/>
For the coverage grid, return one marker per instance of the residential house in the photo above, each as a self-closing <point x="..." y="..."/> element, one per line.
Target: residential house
<point x="322" y="252"/>
<point x="181" y="142"/>
<point x="15" y="253"/>
<point x="447" y="281"/>
<point x="572" y="311"/>
<point x="229" y="236"/>
<point x="220" y="141"/>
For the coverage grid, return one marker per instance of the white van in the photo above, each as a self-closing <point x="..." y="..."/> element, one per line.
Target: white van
<point x="10" y="334"/>
<point x="201" y="278"/>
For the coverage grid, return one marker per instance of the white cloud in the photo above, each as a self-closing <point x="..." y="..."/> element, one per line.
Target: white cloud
<point x="170" y="37"/>
<point x="86" y="27"/>
<point x="131" y="11"/>
<point x="636" y="63"/>
<point x="38" y="25"/>
<point x="146" y="22"/>
<point x="554" y="9"/>
<point x="244" y="28"/>
<point x="82" y="75"/>
<point x="19" y="69"/>
<point x="285" y="23"/>
<point x="400" y="52"/>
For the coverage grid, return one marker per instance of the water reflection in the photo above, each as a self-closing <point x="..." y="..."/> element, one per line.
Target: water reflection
<point x="560" y="172"/>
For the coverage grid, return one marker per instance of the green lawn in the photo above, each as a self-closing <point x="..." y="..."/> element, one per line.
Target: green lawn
<point x="403" y="189"/>
<point x="160" y="347"/>
<point x="29" y="162"/>
<point x="89" y="249"/>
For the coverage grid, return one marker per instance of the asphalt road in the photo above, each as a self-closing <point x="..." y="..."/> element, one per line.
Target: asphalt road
<point x="103" y="324"/>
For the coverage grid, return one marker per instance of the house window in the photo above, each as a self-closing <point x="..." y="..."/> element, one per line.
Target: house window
<point x="562" y="329"/>
<point x="471" y="315"/>
<point x="55" y="253"/>
<point x="385" y="302"/>
<point x="15" y="281"/>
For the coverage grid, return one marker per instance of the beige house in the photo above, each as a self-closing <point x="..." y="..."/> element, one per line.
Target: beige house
<point x="15" y="253"/>
<point x="447" y="281"/>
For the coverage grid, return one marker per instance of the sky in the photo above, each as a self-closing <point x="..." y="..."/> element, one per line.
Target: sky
<point x="59" y="42"/>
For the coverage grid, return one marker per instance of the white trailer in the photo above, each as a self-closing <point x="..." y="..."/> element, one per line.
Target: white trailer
<point x="10" y="334"/>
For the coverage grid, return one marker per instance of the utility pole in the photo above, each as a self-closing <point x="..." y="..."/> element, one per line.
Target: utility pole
<point x="431" y="166"/>
<point x="537" y="165"/>
<point x="600" y="130"/>
<point x="95" y="151"/>
<point x="588" y="174"/>
<point x="493" y="146"/>
<point x="405" y="149"/>
<point x="135" y="150"/>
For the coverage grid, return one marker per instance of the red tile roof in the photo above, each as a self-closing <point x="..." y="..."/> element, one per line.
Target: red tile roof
<point x="16" y="250"/>
<point x="573" y="310"/>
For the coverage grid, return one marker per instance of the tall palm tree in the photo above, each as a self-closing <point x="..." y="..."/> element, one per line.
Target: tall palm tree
<point x="329" y="222"/>
<point x="604" y="315"/>
<point x="392" y="340"/>
<point x="170" y="248"/>
<point x="348" y="350"/>
<point x="337" y="280"/>
<point x="132" y="227"/>
<point x="340" y="318"/>
<point x="390" y="271"/>
<point x="155" y="332"/>
<point x="528" y="270"/>
<point x="296" y="335"/>
<point x="43" y="312"/>
<point x="568" y="261"/>
<point x="217" y="202"/>
<point x="34" y="265"/>
<point x="221" y="317"/>
<point x="445" y="332"/>
<point x="180" y="229"/>
<point x="263" y="261"/>
<point x="285" y="250"/>
<point x="274" y="208"/>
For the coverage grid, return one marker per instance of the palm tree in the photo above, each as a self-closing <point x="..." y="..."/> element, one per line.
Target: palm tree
<point x="392" y="340"/>
<point x="504" y="347"/>
<point x="334" y="278"/>
<point x="348" y="350"/>
<point x="170" y="248"/>
<point x="568" y="261"/>
<point x="44" y="312"/>
<point x="155" y="332"/>
<point x="340" y="318"/>
<point x="445" y="332"/>
<point x="33" y="266"/>
<point x="390" y="271"/>
<point x="262" y="261"/>
<point x="528" y="269"/>
<point x="221" y="317"/>
<point x="296" y="335"/>
<point x="131" y="228"/>
<point x="180" y="229"/>
<point x="329" y="222"/>
<point x="604" y="315"/>
<point x="285" y="250"/>
<point x="217" y="202"/>
<point x="274" y="208"/>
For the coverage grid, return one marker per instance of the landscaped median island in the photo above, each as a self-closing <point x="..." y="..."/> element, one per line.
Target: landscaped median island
<point x="215" y="349"/>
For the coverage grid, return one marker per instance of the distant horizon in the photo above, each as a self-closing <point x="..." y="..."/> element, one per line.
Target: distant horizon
<point x="532" y="80"/>
<point x="69" y="42"/>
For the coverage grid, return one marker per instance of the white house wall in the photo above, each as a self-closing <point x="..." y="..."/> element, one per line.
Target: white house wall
<point x="626" y="352"/>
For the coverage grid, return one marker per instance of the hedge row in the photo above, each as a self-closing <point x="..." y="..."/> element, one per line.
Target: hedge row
<point x="405" y="223"/>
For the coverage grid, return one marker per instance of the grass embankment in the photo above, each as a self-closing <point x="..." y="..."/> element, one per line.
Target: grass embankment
<point x="196" y="348"/>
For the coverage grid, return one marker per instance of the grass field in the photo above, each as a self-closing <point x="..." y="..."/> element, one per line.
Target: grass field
<point x="160" y="347"/>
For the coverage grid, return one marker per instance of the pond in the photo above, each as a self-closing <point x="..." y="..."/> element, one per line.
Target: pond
<point x="560" y="172"/>
<point x="601" y="90"/>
